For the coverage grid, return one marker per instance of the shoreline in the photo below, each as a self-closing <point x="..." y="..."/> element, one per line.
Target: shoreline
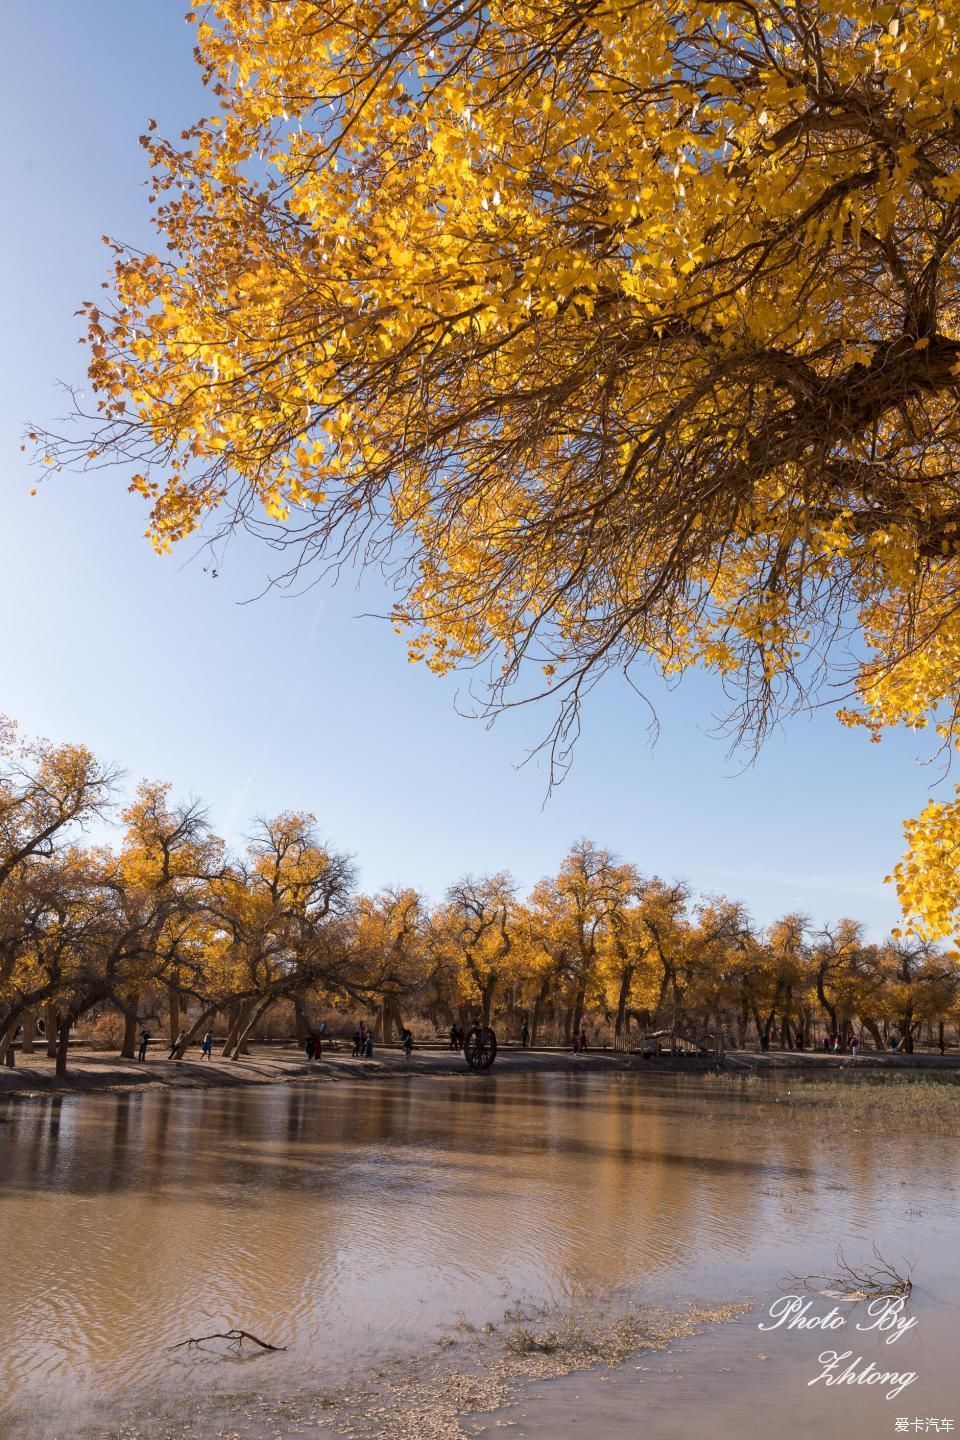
<point x="96" y="1072"/>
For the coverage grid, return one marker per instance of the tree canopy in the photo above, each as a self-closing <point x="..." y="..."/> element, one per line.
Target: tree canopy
<point x="625" y="330"/>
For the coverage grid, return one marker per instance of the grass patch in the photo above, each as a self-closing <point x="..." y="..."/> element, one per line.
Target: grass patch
<point x="929" y="1102"/>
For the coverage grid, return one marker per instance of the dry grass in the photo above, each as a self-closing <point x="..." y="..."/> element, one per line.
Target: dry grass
<point x="929" y="1104"/>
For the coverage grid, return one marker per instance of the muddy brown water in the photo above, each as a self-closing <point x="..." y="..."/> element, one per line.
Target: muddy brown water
<point x="353" y="1223"/>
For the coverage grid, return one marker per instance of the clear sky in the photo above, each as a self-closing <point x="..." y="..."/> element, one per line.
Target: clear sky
<point x="283" y="702"/>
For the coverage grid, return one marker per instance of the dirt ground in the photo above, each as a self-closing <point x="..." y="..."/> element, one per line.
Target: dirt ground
<point x="92" y="1071"/>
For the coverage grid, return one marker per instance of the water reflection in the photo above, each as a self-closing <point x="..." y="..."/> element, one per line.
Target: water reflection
<point x="345" y="1220"/>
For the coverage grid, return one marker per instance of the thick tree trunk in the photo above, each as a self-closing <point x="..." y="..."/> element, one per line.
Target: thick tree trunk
<point x="236" y="1021"/>
<point x="873" y="1030"/>
<point x="626" y="980"/>
<point x="6" y="1036"/>
<point x="578" y="1010"/>
<point x="538" y="1004"/>
<point x="63" y="1042"/>
<point x="129" y="1047"/>
<point x="830" y="1010"/>
<point x="241" y="1040"/>
<point x="30" y="1026"/>
<point x="50" y="1028"/>
<point x="394" y="1018"/>
<point x="173" y="997"/>
<point x="193" y="1032"/>
<point x="487" y="1000"/>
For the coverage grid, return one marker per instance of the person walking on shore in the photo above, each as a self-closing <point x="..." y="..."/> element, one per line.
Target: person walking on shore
<point x="525" y="1036"/>
<point x="177" y="1045"/>
<point x="144" y="1042"/>
<point x="454" y="1038"/>
<point x="206" y="1046"/>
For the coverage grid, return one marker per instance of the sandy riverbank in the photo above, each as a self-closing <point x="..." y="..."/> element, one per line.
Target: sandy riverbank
<point x="93" y="1071"/>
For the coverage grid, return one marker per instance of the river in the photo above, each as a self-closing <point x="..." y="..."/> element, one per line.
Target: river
<point x="363" y="1223"/>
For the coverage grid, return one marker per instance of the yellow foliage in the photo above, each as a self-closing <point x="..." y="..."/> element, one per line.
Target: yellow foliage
<point x="639" y="325"/>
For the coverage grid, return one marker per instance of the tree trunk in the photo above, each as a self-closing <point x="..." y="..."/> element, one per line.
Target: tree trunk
<point x="394" y="1018"/>
<point x="626" y="980"/>
<point x="63" y="1041"/>
<point x="242" y="1036"/>
<point x="873" y="1030"/>
<point x="6" y="1038"/>
<point x="237" y="1019"/>
<point x="173" y="995"/>
<point x="129" y="1047"/>
<point x="831" y="1010"/>
<point x="486" y="1001"/>
<point x="536" y="1016"/>
<point x="578" y="1010"/>
<point x="50" y="1028"/>
<point x="193" y="1032"/>
<point x="29" y="1030"/>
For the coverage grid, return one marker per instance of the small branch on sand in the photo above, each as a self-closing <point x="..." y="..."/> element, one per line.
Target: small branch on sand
<point x="860" y="1282"/>
<point x="235" y="1338"/>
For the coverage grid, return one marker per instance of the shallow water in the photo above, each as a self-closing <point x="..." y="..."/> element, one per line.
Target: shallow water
<point x="351" y="1222"/>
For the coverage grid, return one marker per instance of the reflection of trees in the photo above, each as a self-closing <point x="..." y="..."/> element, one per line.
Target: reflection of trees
<point x="293" y="1208"/>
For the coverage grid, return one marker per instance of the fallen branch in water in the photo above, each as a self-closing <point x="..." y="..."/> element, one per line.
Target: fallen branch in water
<point x="860" y="1282"/>
<point x="235" y="1337"/>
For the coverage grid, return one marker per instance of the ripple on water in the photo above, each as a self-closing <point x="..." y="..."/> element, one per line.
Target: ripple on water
<point x="348" y="1221"/>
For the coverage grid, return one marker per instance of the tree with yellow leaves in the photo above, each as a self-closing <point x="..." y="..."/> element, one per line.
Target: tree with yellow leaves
<point x="479" y="918"/>
<point x="278" y="915"/>
<point x="168" y="858"/>
<point x="388" y="936"/>
<point x="48" y="793"/>
<point x="639" y="328"/>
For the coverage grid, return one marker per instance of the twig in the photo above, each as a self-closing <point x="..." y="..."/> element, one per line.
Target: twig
<point x="235" y="1337"/>
<point x="863" y="1281"/>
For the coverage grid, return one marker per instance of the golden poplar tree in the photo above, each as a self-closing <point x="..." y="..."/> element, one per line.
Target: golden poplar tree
<point x="638" y="326"/>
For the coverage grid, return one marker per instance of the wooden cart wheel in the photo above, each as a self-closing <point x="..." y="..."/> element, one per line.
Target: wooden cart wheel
<point x="480" y="1049"/>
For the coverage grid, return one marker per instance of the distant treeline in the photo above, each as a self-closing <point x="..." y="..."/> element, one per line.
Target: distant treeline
<point x="171" y="927"/>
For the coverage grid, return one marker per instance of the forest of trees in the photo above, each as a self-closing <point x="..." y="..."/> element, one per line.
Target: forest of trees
<point x="169" y="926"/>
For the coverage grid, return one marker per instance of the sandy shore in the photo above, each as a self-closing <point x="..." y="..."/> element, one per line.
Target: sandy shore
<point x="91" y="1071"/>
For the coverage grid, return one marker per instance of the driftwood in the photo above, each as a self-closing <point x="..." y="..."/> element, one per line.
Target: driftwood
<point x="860" y="1282"/>
<point x="235" y="1338"/>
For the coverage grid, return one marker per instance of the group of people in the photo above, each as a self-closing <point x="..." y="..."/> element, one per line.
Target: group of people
<point x="835" y="1045"/>
<point x="363" y="1041"/>
<point x="177" y="1046"/>
<point x="579" y="1041"/>
<point x="314" y="1042"/>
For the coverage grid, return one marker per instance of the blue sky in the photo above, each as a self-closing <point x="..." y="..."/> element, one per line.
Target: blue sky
<point x="300" y="702"/>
